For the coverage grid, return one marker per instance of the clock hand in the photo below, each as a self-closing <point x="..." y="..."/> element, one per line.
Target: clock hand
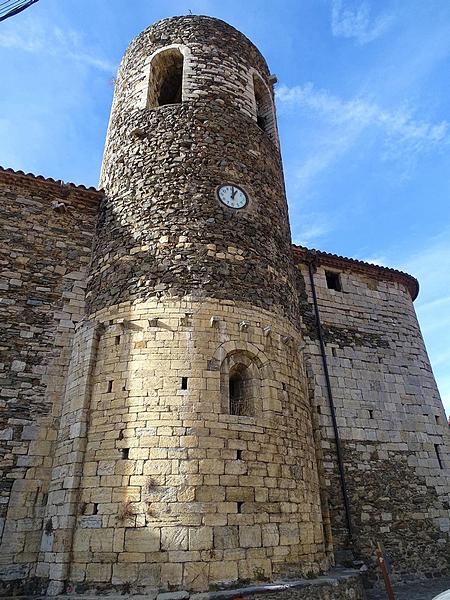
<point x="233" y="193"/>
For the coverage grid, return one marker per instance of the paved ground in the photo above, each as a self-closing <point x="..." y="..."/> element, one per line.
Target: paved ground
<point x="420" y="590"/>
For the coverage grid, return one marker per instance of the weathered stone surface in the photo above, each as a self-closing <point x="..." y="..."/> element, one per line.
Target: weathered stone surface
<point x="389" y="414"/>
<point x="128" y="459"/>
<point x="39" y="248"/>
<point x="148" y="246"/>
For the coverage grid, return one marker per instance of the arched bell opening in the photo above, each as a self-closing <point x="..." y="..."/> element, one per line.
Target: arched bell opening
<point x="264" y="109"/>
<point x="166" y="78"/>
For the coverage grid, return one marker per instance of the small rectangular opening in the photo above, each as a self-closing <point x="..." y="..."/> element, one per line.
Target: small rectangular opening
<point x="438" y="455"/>
<point x="125" y="453"/>
<point x="334" y="352"/>
<point x="109" y="388"/>
<point x="95" y="508"/>
<point x="238" y="454"/>
<point x="333" y="281"/>
<point x="239" y="507"/>
<point x="438" y="420"/>
<point x="184" y="383"/>
<point x="117" y="340"/>
<point x="319" y="410"/>
<point x="370" y="413"/>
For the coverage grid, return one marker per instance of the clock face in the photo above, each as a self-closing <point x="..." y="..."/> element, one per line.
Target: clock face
<point x="232" y="196"/>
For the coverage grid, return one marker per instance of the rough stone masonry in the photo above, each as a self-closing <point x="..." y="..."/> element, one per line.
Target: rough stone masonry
<point x="188" y="401"/>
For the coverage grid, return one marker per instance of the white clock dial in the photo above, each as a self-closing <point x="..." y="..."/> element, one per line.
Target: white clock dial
<point x="232" y="196"/>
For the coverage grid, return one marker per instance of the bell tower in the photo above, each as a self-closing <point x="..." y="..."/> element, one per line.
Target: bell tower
<point x="199" y="464"/>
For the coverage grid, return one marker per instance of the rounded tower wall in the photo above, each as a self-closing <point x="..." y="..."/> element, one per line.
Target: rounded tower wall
<point x="200" y="462"/>
<point x="162" y="229"/>
<point x="219" y="63"/>
<point x="176" y="491"/>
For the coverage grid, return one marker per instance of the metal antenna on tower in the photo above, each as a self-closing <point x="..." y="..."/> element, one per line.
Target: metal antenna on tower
<point x="9" y="8"/>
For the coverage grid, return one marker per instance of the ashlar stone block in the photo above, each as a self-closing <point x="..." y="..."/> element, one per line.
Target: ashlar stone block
<point x="144" y="539"/>
<point x="174" y="538"/>
<point x="250" y="536"/>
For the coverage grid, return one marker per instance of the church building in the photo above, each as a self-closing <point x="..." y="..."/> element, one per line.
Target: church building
<point x="188" y="400"/>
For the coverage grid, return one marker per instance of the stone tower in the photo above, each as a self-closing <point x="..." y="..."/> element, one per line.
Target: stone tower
<point x="156" y="416"/>
<point x="198" y="463"/>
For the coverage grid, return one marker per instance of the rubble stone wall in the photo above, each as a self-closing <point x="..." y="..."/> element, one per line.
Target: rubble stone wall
<point x="46" y="236"/>
<point x="162" y="229"/>
<point x="390" y="419"/>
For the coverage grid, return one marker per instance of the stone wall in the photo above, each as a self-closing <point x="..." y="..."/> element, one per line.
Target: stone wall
<point x="162" y="230"/>
<point x="46" y="235"/>
<point x="121" y="464"/>
<point x="176" y="493"/>
<point x="389" y="413"/>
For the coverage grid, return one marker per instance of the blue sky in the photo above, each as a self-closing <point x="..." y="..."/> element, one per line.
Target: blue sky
<point x="363" y="104"/>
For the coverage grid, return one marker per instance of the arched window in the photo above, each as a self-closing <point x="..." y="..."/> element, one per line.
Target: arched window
<point x="240" y="391"/>
<point x="166" y="78"/>
<point x="265" y="117"/>
<point x="240" y="385"/>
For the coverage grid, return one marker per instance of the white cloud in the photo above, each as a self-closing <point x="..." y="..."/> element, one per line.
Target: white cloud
<point x="35" y="38"/>
<point x="356" y="22"/>
<point x="328" y="149"/>
<point x="403" y="135"/>
<point x="363" y="113"/>
<point x="312" y="227"/>
<point x="380" y="261"/>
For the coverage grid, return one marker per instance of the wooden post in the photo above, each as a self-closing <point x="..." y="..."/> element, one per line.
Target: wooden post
<point x="384" y="570"/>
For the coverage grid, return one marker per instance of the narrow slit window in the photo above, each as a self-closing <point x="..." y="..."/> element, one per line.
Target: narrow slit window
<point x="184" y="383"/>
<point x="370" y="414"/>
<point x="166" y="78"/>
<point x="438" y="455"/>
<point x="125" y="453"/>
<point x="237" y="398"/>
<point x="117" y="340"/>
<point x="238" y="454"/>
<point x="95" y="508"/>
<point x="239" y="507"/>
<point x="333" y="281"/>
<point x="109" y="388"/>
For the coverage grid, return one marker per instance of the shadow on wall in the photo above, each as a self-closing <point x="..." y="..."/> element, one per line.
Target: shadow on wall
<point x="163" y="231"/>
